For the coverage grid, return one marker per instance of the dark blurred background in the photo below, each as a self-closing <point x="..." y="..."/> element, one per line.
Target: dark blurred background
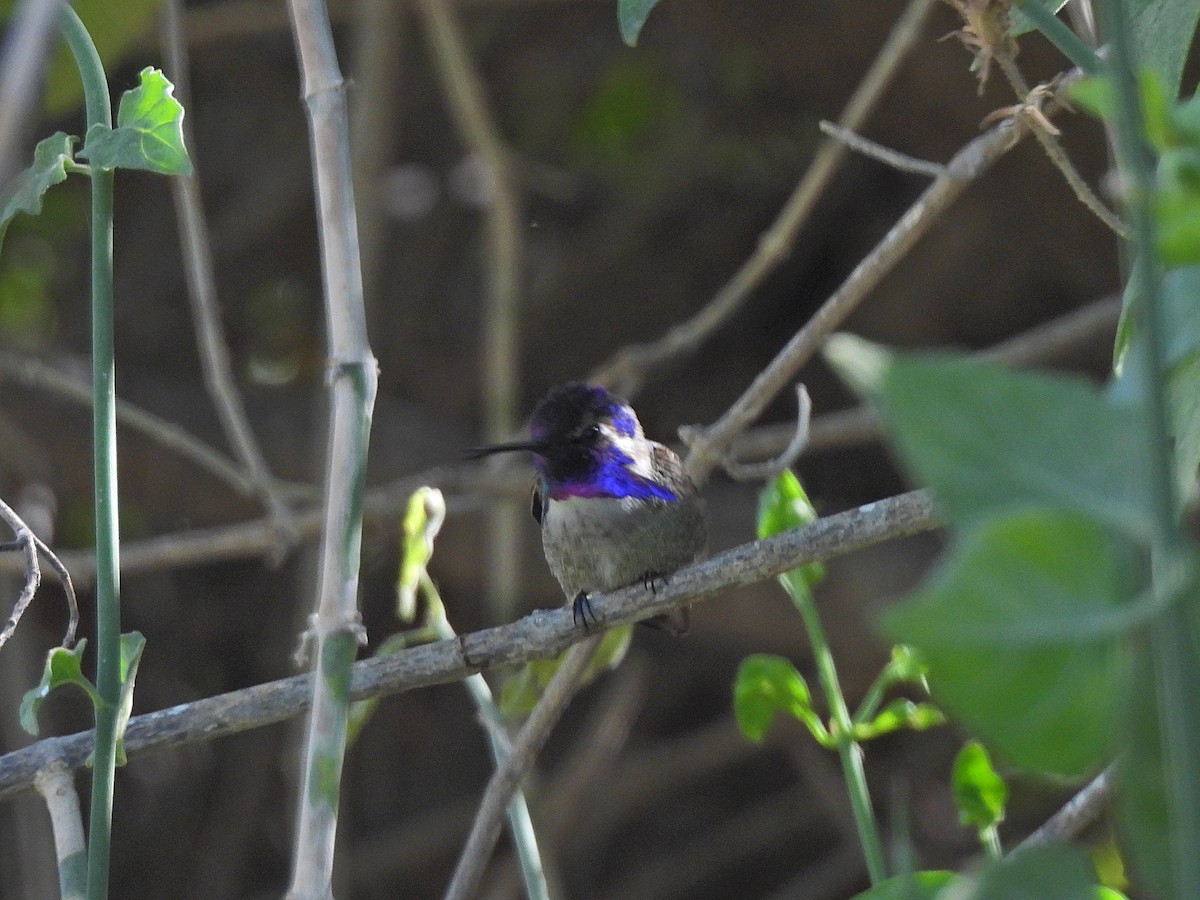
<point x="646" y="176"/>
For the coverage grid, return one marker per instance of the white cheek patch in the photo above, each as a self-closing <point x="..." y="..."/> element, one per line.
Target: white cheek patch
<point x="636" y="447"/>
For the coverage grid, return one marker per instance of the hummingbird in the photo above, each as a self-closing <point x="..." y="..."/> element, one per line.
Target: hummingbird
<point x="615" y="508"/>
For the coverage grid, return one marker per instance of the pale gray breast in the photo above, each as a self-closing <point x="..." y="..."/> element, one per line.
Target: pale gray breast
<point x="603" y="543"/>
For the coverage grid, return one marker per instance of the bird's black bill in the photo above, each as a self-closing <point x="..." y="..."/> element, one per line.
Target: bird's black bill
<point x="480" y="452"/>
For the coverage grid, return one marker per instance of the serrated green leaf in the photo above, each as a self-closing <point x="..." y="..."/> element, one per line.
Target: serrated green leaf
<point x="766" y="684"/>
<point x="149" y="132"/>
<point x="631" y="16"/>
<point x="913" y="886"/>
<point x="24" y="193"/>
<point x="63" y="666"/>
<point x="522" y="689"/>
<point x="1006" y="626"/>
<point x="782" y="505"/>
<point x="900" y="713"/>
<point x="979" y="792"/>
<point x="987" y="438"/>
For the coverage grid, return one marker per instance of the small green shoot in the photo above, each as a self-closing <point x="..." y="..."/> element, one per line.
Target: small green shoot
<point x="767" y="684"/>
<point x="980" y="794"/>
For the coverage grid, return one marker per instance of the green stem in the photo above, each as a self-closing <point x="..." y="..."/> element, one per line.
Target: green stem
<point x="989" y="838"/>
<point x="520" y="823"/>
<point x="848" y="749"/>
<point x="1172" y="633"/>
<point x="104" y="424"/>
<point x="1062" y="37"/>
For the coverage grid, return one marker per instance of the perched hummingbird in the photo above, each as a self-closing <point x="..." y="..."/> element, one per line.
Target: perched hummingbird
<point x="615" y="508"/>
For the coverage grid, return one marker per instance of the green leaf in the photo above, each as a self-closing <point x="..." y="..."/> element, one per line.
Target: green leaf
<point x="523" y="688"/>
<point x="1020" y="23"/>
<point x="149" y="132"/>
<point x="900" y="713"/>
<point x="63" y="666"/>
<point x="766" y="684"/>
<point x="913" y="886"/>
<point x="1005" y="624"/>
<point x="1162" y="35"/>
<point x="631" y="16"/>
<point x="24" y="192"/>
<point x="783" y="505"/>
<point x="987" y="438"/>
<point x="132" y="645"/>
<point x="1039" y="873"/>
<point x="979" y="792"/>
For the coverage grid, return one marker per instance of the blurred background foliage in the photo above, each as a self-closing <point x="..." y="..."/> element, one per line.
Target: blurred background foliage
<point x="646" y="177"/>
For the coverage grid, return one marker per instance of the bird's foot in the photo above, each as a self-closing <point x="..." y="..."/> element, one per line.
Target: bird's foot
<point x="581" y="611"/>
<point x="651" y="581"/>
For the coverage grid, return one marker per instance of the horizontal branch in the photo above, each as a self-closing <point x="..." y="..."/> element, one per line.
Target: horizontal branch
<point x="540" y="634"/>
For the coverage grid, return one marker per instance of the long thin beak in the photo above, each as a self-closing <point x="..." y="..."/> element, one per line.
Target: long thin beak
<point x="480" y="452"/>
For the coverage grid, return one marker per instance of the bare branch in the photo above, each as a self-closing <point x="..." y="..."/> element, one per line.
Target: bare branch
<point x="202" y="291"/>
<point x="36" y="374"/>
<point x="1080" y="811"/>
<point x="627" y="369"/>
<point x="967" y="165"/>
<point x="468" y="874"/>
<point x="467" y="99"/>
<point x="772" y="467"/>
<point x="30" y="546"/>
<point x="538" y="635"/>
<point x="885" y="155"/>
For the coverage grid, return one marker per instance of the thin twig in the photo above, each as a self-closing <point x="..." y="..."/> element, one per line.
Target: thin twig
<point x="886" y="155"/>
<point x="33" y="573"/>
<point x="860" y="424"/>
<point x="465" y="95"/>
<point x="772" y="467"/>
<point x="1047" y="136"/>
<point x="36" y="374"/>
<point x="539" y="635"/>
<point x="1079" y="812"/>
<point x="626" y="370"/>
<point x="710" y="444"/>
<point x="468" y="874"/>
<point x="202" y="294"/>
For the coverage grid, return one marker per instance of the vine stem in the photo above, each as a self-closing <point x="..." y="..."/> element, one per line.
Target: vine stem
<point x="104" y="438"/>
<point x="849" y="751"/>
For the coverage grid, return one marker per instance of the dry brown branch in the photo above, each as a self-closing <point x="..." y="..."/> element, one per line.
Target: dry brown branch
<point x="1079" y="812"/>
<point x="860" y="424"/>
<point x="467" y="99"/>
<point x="538" y="635"/>
<point x="710" y="445"/>
<point x="202" y="294"/>
<point x="31" y="546"/>
<point x="36" y="374"/>
<point x="627" y="369"/>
